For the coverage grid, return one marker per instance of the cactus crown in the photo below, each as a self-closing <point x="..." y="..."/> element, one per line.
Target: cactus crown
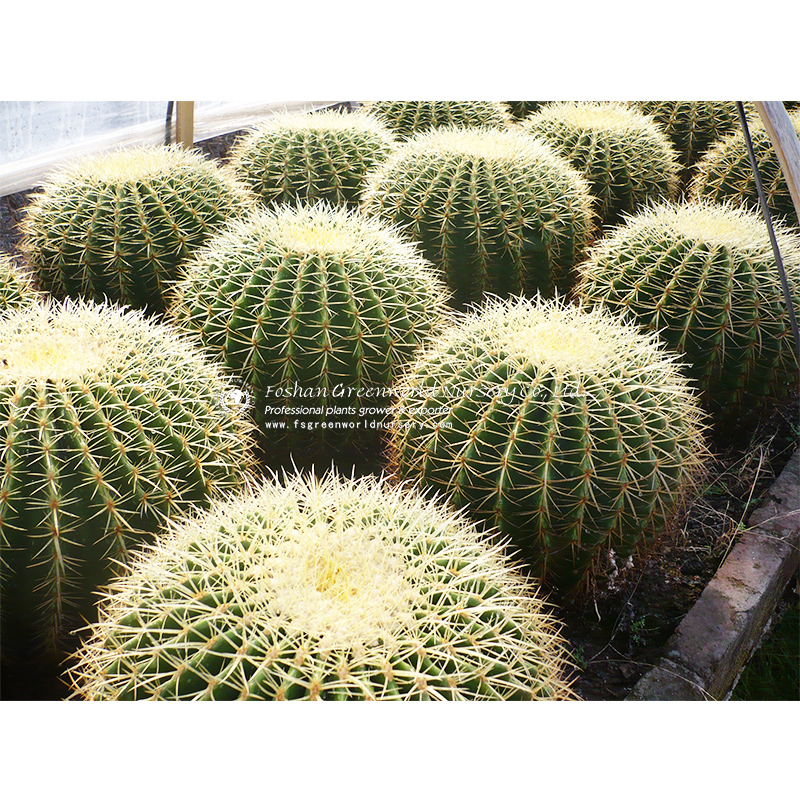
<point x="325" y="588"/>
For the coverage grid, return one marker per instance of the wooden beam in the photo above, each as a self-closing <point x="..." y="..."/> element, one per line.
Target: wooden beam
<point x="784" y="139"/>
<point x="184" y="123"/>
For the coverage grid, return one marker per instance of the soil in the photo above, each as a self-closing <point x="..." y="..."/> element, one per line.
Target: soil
<point x="618" y="626"/>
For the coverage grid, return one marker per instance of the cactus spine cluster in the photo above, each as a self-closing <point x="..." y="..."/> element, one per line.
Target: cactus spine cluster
<point x="302" y="158"/>
<point x="116" y="226"/>
<point x="110" y="425"/>
<point x="567" y="429"/>
<point x="15" y="289"/>
<point x="317" y="308"/>
<point x="724" y="172"/>
<point x="626" y="157"/>
<point x="496" y="211"/>
<point x="409" y="117"/>
<point x="692" y="125"/>
<point x="323" y="590"/>
<point x="704" y="276"/>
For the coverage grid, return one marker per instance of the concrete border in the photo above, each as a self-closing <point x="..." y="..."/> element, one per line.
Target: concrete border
<point x="704" y="656"/>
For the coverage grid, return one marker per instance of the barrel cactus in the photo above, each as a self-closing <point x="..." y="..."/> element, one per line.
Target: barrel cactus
<point x="325" y="589"/>
<point x="725" y="173"/>
<point x="316" y="308"/>
<point x="704" y="276"/>
<point x="626" y="157"/>
<point x="497" y="211"/>
<point x="692" y="125"/>
<point x="324" y="155"/>
<point x="409" y="117"/>
<point x="565" y="428"/>
<point x="116" y="226"/>
<point x="15" y="289"/>
<point x="111" y="424"/>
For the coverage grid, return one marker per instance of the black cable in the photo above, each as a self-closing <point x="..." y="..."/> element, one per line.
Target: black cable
<point x="168" y="126"/>
<point x="787" y="295"/>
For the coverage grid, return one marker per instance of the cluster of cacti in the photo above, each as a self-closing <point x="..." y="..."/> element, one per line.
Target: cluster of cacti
<point x="704" y="277"/>
<point x="329" y="590"/>
<point x="110" y="425"/>
<point x="623" y="154"/>
<point x="692" y="125"/>
<point x="15" y="289"/>
<point x="317" y="308"/>
<point x="297" y="158"/>
<point x="568" y="430"/>
<point x="409" y="117"/>
<point x="521" y="108"/>
<point x="725" y="172"/>
<point x="116" y="226"/>
<point x="497" y="211"/>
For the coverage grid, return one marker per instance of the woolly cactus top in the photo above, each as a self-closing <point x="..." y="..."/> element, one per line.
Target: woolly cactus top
<point x="73" y="340"/>
<point x="596" y="116"/>
<point x="555" y="339"/>
<point x="715" y="224"/>
<point x="480" y="143"/>
<point x="135" y="165"/>
<point x="328" y="589"/>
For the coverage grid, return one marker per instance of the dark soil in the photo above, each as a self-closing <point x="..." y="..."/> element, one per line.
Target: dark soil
<point x="618" y="627"/>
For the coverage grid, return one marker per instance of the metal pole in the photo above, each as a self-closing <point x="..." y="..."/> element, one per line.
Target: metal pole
<point x="184" y="123"/>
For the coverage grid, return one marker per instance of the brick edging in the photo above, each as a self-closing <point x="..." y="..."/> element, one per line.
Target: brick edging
<point x="714" y="640"/>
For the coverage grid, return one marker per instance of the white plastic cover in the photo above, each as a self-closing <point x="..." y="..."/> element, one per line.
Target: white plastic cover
<point x="37" y="135"/>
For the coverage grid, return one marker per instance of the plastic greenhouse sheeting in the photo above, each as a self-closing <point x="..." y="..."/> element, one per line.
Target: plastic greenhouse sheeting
<point x="37" y="135"/>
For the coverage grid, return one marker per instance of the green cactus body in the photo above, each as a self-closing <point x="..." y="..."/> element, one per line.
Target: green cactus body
<point x="522" y="108"/>
<point x="626" y="158"/>
<point x="110" y="425"/>
<point x="496" y="211"/>
<point x="409" y="117"/>
<point x="116" y="226"/>
<point x="724" y="172"/>
<point x="692" y="125"/>
<point x="317" y="308"/>
<point x="566" y="429"/>
<point x="15" y="289"/>
<point x="303" y="158"/>
<point x="704" y="277"/>
<point x="323" y="590"/>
